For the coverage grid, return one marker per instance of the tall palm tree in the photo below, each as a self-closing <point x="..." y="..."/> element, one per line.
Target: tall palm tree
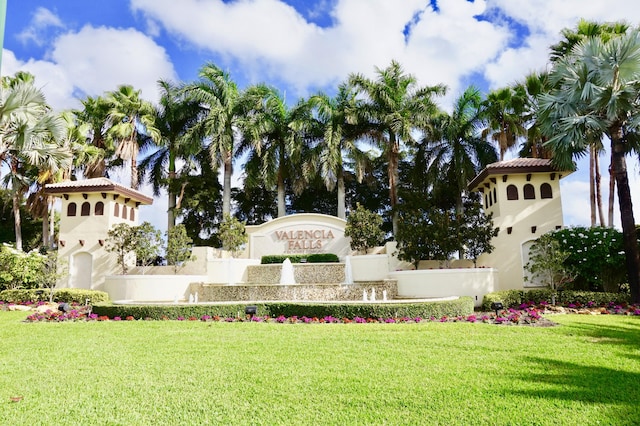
<point x="130" y="115"/>
<point x="273" y="142"/>
<point x="218" y="121"/>
<point x="503" y="110"/>
<point x="28" y="135"/>
<point x="456" y="150"/>
<point x="94" y="119"/>
<point x="173" y="117"/>
<point x="596" y="91"/>
<point x="334" y="120"/>
<point x="584" y="30"/>
<point x="393" y="107"/>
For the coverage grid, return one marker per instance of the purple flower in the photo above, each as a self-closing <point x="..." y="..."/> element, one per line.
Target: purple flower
<point x="117" y="318"/>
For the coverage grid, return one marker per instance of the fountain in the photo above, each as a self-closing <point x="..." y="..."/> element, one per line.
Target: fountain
<point x="373" y="295"/>
<point x="348" y="271"/>
<point x="286" y="275"/>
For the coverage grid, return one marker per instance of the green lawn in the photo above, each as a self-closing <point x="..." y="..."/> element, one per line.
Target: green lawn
<point x="584" y="372"/>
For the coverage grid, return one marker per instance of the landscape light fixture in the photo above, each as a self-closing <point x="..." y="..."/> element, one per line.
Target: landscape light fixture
<point x="496" y="306"/>
<point x="250" y="311"/>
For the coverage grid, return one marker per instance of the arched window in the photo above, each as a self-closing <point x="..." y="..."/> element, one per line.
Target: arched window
<point x="85" y="210"/>
<point x="495" y="195"/>
<point x="512" y="192"/>
<point x="545" y="191"/>
<point x="124" y="212"/>
<point x="529" y="192"/>
<point x="99" y="208"/>
<point x="486" y="201"/>
<point x="116" y="210"/>
<point x="490" y="198"/>
<point x="71" y="209"/>
<point x="132" y="214"/>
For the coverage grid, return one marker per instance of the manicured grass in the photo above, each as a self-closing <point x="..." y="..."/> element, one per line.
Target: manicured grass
<point x="586" y="371"/>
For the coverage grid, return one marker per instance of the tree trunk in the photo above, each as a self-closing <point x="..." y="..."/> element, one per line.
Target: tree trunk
<point x="45" y="226"/>
<point x="282" y="208"/>
<point x="16" y="218"/>
<point x="392" y="170"/>
<point x="134" y="168"/>
<point x="342" y="210"/>
<point x="599" y="189"/>
<point x="612" y="189"/>
<point x="592" y="191"/>
<point x="226" y="190"/>
<point x="171" y="205"/>
<point x="626" y="213"/>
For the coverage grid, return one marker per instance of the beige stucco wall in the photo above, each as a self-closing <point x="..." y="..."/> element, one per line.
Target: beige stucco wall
<point x="521" y="216"/>
<point x="85" y="235"/>
<point x="150" y="288"/>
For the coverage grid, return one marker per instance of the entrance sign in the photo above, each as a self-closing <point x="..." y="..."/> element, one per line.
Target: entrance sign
<point x="303" y="233"/>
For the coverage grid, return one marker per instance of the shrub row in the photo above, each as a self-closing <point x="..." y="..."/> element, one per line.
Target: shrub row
<point x="66" y="295"/>
<point x="300" y="258"/>
<point x="449" y="308"/>
<point x="513" y="298"/>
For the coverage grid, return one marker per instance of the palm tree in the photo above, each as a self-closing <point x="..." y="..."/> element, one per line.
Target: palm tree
<point x="28" y="131"/>
<point x="393" y="108"/>
<point x="173" y="117"/>
<point x="275" y="147"/>
<point x="94" y="119"/>
<point x="456" y="151"/>
<point x="596" y="92"/>
<point x="503" y="110"/>
<point x="335" y="122"/>
<point x="605" y="31"/>
<point x="218" y="121"/>
<point x="128" y="116"/>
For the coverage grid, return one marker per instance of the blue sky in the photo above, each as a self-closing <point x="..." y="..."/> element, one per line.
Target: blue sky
<point x="77" y="48"/>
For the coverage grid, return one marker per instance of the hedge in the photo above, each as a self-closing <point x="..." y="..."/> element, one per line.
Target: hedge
<point x="300" y="258"/>
<point x="514" y="298"/>
<point x="66" y="295"/>
<point x="449" y="308"/>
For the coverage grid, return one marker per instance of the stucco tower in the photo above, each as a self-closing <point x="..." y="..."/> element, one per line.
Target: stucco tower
<point x="524" y="196"/>
<point x="90" y="208"/>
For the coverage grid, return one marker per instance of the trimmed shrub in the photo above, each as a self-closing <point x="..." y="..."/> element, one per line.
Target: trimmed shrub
<point x="66" y="295"/>
<point x="513" y="298"/>
<point x="449" y="308"/>
<point x="299" y="258"/>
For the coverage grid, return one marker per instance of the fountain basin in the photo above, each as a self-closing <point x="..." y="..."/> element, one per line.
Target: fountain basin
<point x="294" y="292"/>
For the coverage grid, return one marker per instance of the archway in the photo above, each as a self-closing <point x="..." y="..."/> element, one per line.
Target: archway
<point x="80" y="268"/>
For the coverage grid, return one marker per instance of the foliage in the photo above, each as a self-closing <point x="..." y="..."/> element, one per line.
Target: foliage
<point x="547" y="263"/>
<point x="514" y="298"/>
<point x="31" y="226"/>
<point x="66" y="295"/>
<point x="364" y="227"/>
<point x="298" y="258"/>
<point x="429" y="231"/>
<point x="147" y="244"/>
<point x="143" y="241"/>
<point x="20" y="269"/>
<point x="51" y="271"/>
<point x="462" y="306"/>
<point x="232" y="234"/>
<point x="178" y="247"/>
<point x="595" y="257"/>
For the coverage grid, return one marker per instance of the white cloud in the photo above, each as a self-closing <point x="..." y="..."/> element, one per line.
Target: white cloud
<point x="42" y="21"/>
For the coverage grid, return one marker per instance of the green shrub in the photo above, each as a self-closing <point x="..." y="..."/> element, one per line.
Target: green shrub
<point x="450" y="308"/>
<point x="513" y="298"/>
<point x="299" y="258"/>
<point x="66" y="295"/>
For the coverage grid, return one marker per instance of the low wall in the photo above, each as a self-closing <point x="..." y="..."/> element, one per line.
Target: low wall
<point x="294" y="292"/>
<point x="229" y="271"/>
<point x="150" y="288"/>
<point x="369" y="267"/>
<point x="304" y="273"/>
<point x="474" y="282"/>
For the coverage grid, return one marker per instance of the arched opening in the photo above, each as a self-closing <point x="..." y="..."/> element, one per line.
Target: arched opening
<point x="124" y="212"/>
<point x="80" y="270"/>
<point x="512" y="192"/>
<point x="546" y="191"/>
<point x="71" y="209"/>
<point x="529" y="192"/>
<point x="132" y="214"/>
<point x="85" y="210"/>
<point x="116" y="210"/>
<point x="525" y="252"/>
<point x="99" y="208"/>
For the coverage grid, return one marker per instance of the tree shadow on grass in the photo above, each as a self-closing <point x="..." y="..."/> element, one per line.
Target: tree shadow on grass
<point x="627" y="336"/>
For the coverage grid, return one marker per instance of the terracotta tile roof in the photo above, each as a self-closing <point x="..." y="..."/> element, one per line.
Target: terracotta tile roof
<point x="516" y="165"/>
<point x="101" y="184"/>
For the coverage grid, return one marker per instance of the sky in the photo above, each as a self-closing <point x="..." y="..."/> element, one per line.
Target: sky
<point x="79" y="48"/>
